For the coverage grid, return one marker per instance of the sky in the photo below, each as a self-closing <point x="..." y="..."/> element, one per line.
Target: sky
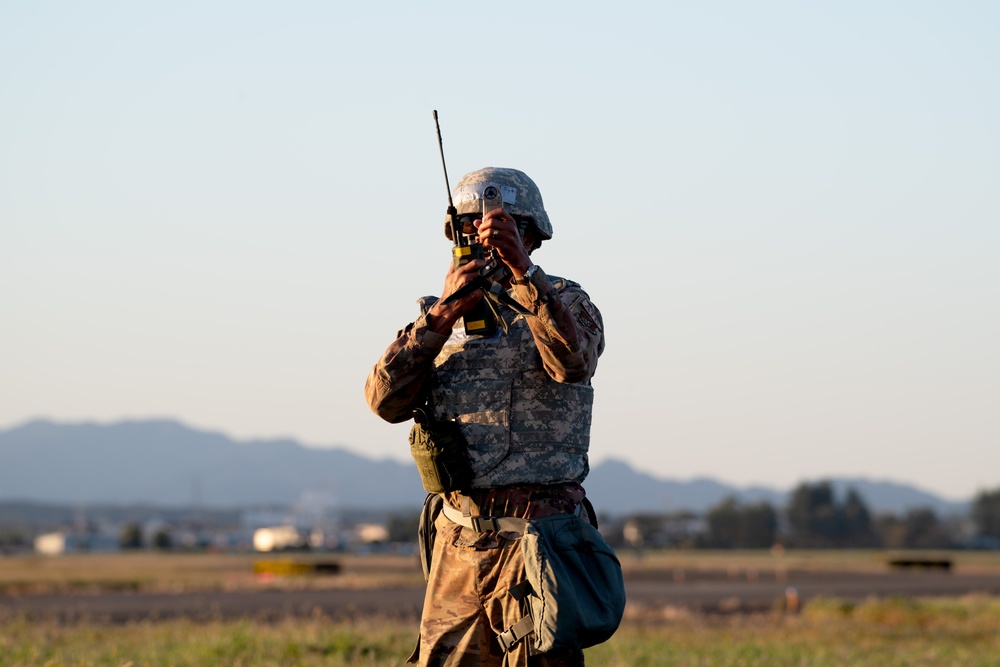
<point x="787" y="212"/>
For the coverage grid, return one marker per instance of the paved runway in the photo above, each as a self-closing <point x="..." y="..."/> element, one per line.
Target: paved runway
<point x="705" y="591"/>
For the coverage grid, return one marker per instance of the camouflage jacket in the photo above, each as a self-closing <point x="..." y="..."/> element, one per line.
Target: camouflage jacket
<point x="534" y="381"/>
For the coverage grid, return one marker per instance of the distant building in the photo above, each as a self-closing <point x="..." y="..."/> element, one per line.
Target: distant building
<point x="60" y="542"/>
<point x="278" y="538"/>
<point x="371" y="533"/>
<point x="312" y="523"/>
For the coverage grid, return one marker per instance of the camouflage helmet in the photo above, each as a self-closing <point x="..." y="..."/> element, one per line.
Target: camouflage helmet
<point x="521" y="197"/>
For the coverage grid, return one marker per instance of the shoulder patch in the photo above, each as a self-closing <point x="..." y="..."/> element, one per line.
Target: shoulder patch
<point x="587" y="317"/>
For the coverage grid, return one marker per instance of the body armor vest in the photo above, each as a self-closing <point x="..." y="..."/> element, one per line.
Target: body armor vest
<point x="522" y="427"/>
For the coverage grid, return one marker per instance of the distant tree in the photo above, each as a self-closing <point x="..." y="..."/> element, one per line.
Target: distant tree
<point x="891" y="530"/>
<point x="760" y="526"/>
<point x="986" y="513"/>
<point x="11" y="539"/>
<point x="818" y="520"/>
<point x="859" y="530"/>
<point x="812" y="514"/>
<point x="163" y="539"/>
<point x="924" y="530"/>
<point x="919" y="529"/>
<point x="403" y="527"/>
<point x="724" y="525"/>
<point x="131" y="537"/>
<point x="731" y="525"/>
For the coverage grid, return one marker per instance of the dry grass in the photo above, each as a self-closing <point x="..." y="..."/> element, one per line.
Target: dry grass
<point x="829" y="633"/>
<point x="160" y="572"/>
<point x="963" y="632"/>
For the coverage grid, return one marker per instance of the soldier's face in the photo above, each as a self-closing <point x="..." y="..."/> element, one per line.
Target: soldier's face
<point x="466" y="221"/>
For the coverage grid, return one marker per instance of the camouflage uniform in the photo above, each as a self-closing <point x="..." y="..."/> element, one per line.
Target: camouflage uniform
<point x="523" y="402"/>
<point x="568" y="334"/>
<point x="467" y="604"/>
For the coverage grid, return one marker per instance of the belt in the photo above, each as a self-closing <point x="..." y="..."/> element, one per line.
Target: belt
<point x="490" y="524"/>
<point x="485" y="524"/>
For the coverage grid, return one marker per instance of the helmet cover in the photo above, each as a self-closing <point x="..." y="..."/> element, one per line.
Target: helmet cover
<point x="521" y="197"/>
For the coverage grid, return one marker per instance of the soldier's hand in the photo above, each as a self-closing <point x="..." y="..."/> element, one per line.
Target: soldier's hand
<point x="498" y="231"/>
<point x="441" y="318"/>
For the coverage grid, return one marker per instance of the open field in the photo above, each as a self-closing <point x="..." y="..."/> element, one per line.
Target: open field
<point x="828" y="633"/>
<point x="685" y="608"/>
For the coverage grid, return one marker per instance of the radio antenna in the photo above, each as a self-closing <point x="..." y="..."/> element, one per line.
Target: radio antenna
<point x="437" y="125"/>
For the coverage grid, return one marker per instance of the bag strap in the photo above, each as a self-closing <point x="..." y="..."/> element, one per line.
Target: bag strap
<point x="524" y="627"/>
<point x="591" y="512"/>
<point x="515" y="633"/>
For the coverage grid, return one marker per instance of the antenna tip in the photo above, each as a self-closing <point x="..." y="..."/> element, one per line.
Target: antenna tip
<point x="435" y="114"/>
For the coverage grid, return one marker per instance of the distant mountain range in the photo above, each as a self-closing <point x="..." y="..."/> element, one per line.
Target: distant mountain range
<point x="163" y="462"/>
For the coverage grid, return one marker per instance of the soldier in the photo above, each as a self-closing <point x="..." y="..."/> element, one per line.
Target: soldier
<point x="522" y="401"/>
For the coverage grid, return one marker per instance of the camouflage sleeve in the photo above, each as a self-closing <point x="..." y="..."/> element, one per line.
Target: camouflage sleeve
<point x="568" y="329"/>
<point x="395" y="383"/>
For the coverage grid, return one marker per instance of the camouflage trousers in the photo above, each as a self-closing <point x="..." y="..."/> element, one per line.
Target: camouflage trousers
<point x="467" y="604"/>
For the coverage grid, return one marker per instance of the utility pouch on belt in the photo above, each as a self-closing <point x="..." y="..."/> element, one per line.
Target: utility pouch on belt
<point x="574" y="593"/>
<point x="438" y="447"/>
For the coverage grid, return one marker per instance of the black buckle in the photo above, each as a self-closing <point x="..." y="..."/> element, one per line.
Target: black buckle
<point x="511" y="636"/>
<point x="507" y="640"/>
<point x="484" y="524"/>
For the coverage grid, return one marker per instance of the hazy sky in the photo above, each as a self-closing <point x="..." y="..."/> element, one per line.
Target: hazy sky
<point x="787" y="212"/>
